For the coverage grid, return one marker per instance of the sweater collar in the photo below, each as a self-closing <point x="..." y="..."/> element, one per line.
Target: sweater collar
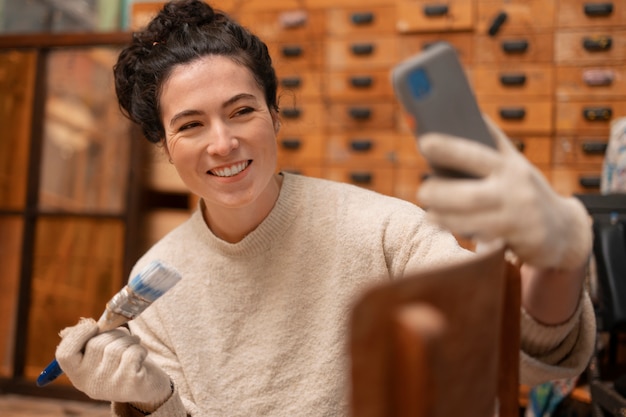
<point x="271" y="228"/>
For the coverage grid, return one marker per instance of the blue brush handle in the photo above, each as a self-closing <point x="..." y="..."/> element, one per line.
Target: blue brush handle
<point x="49" y="374"/>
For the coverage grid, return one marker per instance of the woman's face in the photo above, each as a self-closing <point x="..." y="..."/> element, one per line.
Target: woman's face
<point x="219" y="132"/>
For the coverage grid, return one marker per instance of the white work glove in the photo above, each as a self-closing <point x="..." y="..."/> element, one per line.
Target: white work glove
<point x="111" y="366"/>
<point x="509" y="199"/>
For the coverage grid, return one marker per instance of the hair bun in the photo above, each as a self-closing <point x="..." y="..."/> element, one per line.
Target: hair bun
<point x="178" y="14"/>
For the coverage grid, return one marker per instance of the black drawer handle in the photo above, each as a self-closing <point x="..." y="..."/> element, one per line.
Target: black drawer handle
<point x="292" y="112"/>
<point x="291" y="143"/>
<point x="512" y="113"/>
<point x="589" y="181"/>
<point x="597" y="114"/>
<point x="597" y="44"/>
<point x="513" y="79"/>
<point x="593" y="147"/>
<point x="497" y="23"/>
<point x="362" y="49"/>
<point x="362" y="18"/>
<point x="361" y="145"/>
<point x="432" y="10"/>
<point x="361" y="82"/>
<point x="361" y="177"/>
<point x="598" y="77"/>
<point x="360" y="113"/>
<point x="292" y="51"/>
<point x="515" y="46"/>
<point x="291" y="82"/>
<point x="598" y="9"/>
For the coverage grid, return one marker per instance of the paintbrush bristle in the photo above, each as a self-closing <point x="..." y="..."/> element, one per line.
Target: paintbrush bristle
<point x="154" y="280"/>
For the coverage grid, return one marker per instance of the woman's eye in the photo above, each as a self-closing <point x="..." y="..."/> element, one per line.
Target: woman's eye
<point x="243" y="111"/>
<point x="187" y="126"/>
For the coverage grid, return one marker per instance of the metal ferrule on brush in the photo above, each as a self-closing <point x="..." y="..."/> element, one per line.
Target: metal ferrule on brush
<point x="124" y="306"/>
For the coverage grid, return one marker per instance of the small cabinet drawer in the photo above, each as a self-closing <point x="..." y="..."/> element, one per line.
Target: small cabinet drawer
<point x="371" y="115"/>
<point x="355" y="85"/>
<point x="412" y="44"/>
<point x="537" y="149"/>
<point x="261" y="6"/>
<point x="300" y="117"/>
<point x="591" y="82"/>
<point x="360" y="20"/>
<point x="289" y="56"/>
<point x="522" y="47"/>
<point x="590" y="46"/>
<point x="357" y="53"/>
<point x="375" y="178"/>
<point x="434" y="15"/>
<point x="295" y="85"/>
<point x="363" y="146"/>
<point x="498" y="17"/>
<point x="285" y="25"/>
<point x="328" y="4"/>
<point x="591" y="13"/>
<point x="587" y="117"/>
<point x="520" y="117"/>
<point x="580" y="151"/>
<point x="513" y="80"/>
<point x="305" y="147"/>
<point x="567" y="181"/>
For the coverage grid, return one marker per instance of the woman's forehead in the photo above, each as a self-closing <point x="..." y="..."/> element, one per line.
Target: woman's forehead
<point x="214" y="78"/>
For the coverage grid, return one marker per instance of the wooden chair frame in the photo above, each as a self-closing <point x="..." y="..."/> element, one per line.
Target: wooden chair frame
<point x="439" y="343"/>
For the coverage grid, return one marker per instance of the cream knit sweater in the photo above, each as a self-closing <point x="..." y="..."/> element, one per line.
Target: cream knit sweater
<point x="258" y="328"/>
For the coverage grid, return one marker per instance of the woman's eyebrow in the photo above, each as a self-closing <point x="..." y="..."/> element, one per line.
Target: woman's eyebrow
<point x="237" y="97"/>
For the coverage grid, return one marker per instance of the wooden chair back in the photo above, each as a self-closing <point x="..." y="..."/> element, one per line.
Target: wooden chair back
<point x="440" y="343"/>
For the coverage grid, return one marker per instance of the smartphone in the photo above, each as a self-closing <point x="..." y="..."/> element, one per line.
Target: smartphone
<point x="436" y="95"/>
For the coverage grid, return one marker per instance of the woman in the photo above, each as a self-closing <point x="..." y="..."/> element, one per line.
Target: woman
<point x="271" y="263"/>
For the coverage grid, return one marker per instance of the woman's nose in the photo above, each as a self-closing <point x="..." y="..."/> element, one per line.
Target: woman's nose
<point x="221" y="142"/>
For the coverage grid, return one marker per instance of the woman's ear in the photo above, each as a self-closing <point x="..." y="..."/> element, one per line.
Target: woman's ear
<point x="166" y="151"/>
<point x="276" y="121"/>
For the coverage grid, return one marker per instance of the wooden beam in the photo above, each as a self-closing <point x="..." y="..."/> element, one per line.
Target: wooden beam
<point x="51" y="40"/>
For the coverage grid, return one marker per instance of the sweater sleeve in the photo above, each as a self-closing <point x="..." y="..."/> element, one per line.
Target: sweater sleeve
<point x="557" y="352"/>
<point x="175" y="406"/>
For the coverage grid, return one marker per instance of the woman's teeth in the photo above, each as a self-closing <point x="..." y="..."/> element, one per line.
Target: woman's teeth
<point x="231" y="170"/>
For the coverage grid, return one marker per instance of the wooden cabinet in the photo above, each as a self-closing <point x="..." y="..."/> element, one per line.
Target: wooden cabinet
<point x="361" y="111"/>
<point x="67" y="202"/>
<point x="534" y="66"/>
<point x="428" y="16"/>
<point x="589" y="89"/>
<point x="17" y="82"/>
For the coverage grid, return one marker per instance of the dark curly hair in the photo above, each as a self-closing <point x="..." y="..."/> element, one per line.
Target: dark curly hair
<point x="183" y="31"/>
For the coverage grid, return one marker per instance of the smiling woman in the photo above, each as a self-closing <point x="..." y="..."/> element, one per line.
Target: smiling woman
<point x="220" y="134"/>
<point x="272" y="263"/>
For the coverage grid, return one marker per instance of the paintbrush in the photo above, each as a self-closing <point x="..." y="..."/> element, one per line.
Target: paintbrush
<point x="143" y="289"/>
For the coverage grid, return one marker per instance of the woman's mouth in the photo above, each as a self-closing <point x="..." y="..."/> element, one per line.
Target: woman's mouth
<point x="230" y="171"/>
